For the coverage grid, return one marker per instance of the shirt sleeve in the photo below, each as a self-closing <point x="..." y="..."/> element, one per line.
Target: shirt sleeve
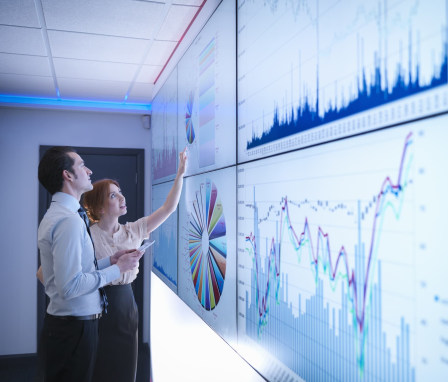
<point x="138" y="229"/>
<point x="112" y="272"/>
<point x="73" y="277"/>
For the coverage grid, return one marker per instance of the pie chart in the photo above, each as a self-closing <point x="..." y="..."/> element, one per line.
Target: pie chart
<point x="207" y="245"/>
<point x="189" y="119"/>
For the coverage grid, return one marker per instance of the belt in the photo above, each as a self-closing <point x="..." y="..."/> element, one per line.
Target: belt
<point x="77" y="318"/>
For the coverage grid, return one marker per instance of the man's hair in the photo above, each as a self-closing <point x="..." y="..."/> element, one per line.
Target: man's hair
<point x="51" y="166"/>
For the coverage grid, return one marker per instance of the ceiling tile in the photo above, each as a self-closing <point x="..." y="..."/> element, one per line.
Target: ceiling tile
<point x="21" y="64"/>
<point x="149" y="73"/>
<point x="107" y="91"/>
<point x="96" y="48"/>
<point x="176" y="22"/>
<point x="22" y="41"/>
<point x="27" y="86"/>
<point x="110" y="71"/>
<point x="196" y="3"/>
<point x="108" y="17"/>
<point x="160" y="52"/>
<point x="19" y="13"/>
<point x="141" y="93"/>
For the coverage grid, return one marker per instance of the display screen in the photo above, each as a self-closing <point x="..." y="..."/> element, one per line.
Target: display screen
<point x="207" y="249"/>
<point x="207" y="93"/>
<point x="318" y="254"/>
<point x="164" y="131"/>
<point x="310" y="72"/>
<point x="338" y="247"/>
<point x="165" y="236"/>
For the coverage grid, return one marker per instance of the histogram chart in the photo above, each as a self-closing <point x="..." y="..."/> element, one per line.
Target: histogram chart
<point x="207" y="104"/>
<point x="311" y="72"/>
<point x="207" y="244"/>
<point x="164" y="131"/>
<point x="165" y="236"/>
<point x="336" y="252"/>
<point x="207" y="93"/>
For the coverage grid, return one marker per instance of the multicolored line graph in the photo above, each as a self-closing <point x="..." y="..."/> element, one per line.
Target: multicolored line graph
<point x="322" y="257"/>
<point x="353" y="277"/>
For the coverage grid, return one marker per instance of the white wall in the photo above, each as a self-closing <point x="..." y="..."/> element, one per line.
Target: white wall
<point x="21" y="133"/>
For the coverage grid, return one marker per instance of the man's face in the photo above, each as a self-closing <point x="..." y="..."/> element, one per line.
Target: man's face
<point x="81" y="181"/>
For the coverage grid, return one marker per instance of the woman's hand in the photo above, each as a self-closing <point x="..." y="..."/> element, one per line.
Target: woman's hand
<point x="114" y="258"/>
<point x="182" y="162"/>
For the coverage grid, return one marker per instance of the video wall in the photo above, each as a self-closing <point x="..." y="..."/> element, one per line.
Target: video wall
<point x="310" y="231"/>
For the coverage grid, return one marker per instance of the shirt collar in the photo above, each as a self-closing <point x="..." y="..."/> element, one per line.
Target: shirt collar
<point x="66" y="200"/>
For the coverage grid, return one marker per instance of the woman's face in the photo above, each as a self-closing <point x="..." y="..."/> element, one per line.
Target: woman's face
<point x="115" y="204"/>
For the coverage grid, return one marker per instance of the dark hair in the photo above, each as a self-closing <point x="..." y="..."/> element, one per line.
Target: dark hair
<point x="94" y="199"/>
<point x="51" y="166"/>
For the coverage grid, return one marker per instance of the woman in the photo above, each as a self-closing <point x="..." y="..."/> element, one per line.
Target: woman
<point x="117" y="351"/>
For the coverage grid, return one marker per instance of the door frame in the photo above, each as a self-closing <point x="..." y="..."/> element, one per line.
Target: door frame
<point x="44" y="202"/>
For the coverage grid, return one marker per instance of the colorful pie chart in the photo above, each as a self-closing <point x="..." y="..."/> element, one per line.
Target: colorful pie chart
<point x="207" y="245"/>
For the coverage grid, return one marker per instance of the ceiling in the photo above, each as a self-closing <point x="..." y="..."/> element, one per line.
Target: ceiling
<point x="102" y="51"/>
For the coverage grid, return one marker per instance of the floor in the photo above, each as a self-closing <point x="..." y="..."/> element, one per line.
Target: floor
<point x="24" y="368"/>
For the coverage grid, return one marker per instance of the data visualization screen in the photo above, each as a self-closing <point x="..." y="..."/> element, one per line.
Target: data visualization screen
<point x="164" y="131"/>
<point x="207" y="94"/>
<point x="165" y="236"/>
<point x="207" y="249"/>
<point x="340" y="268"/>
<point x="315" y="71"/>
<point x="311" y="225"/>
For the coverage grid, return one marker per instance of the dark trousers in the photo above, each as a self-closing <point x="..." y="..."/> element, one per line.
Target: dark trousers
<point x="69" y="349"/>
<point x="118" y="329"/>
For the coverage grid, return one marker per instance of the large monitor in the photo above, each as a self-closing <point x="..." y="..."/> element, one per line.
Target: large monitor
<point x="311" y="72"/>
<point x="207" y="249"/>
<point x="321" y="249"/>
<point x="207" y="94"/>
<point x="336" y="253"/>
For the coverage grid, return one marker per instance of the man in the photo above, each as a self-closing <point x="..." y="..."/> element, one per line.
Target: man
<point x="71" y="280"/>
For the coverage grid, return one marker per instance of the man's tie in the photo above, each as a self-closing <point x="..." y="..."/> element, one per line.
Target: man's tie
<point x="83" y="214"/>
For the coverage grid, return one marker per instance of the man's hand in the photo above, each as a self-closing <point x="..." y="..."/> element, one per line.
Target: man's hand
<point x="114" y="258"/>
<point x="129" y="260"/>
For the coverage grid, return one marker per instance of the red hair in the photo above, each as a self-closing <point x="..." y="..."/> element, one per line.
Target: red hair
<point x="94" y="199"/>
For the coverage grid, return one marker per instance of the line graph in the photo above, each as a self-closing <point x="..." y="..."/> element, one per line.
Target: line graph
<point x="326" y="260"/>
<point x="318" y="284"/>
<point x="393" y="68"/>
<point x="321" y="258"/>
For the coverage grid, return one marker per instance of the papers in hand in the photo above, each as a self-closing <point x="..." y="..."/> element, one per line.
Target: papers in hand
<point x="146" y="244"/>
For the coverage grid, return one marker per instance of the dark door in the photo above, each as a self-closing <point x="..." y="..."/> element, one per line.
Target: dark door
<point x="127" y="167"/>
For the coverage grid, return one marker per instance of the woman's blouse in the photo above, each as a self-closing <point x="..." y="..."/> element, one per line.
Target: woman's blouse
<point x="128" y="236"/>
